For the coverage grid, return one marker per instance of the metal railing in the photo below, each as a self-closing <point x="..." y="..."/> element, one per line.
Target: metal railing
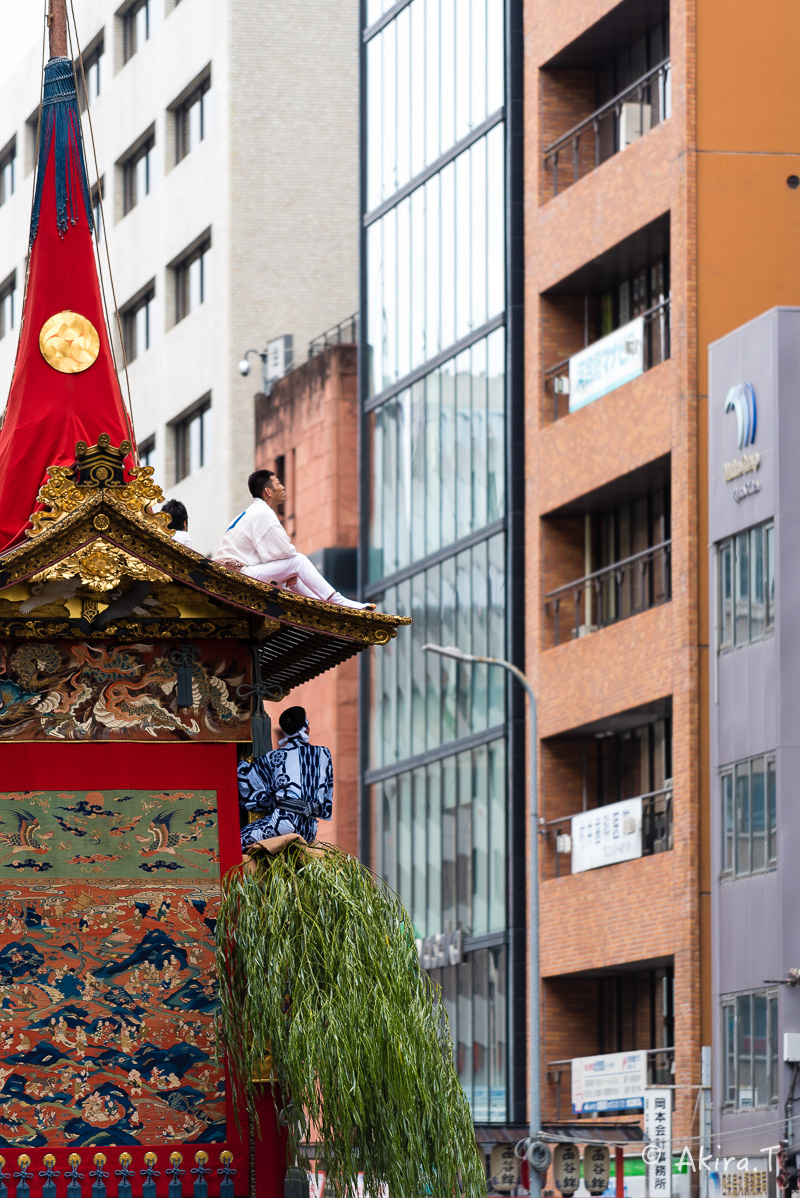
<point x="656" y="827"/>
<point x="343" y="333"/>
<point x="660" y="1072"/>
<point x="617" y="592"/>
<point x="650" y="94"/>
<point x="656" y="349"/>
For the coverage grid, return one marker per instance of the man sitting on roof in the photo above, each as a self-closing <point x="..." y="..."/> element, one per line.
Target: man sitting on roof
<point x="178" y="520"/>
<point x="256" y="543"/>
<point x="291" y="787"/>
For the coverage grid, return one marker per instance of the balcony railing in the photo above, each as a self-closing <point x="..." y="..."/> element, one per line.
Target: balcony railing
<point x="660" y="1072"/>
<point x="632" y="585"/>
<point x="656" y="829"/>
<point x="656" y="348"/>
<point x="343" y="333"/>
<point x="614" y="125"/>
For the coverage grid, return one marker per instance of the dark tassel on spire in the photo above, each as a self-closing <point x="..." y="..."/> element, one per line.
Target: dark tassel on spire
<point x="60" y="122"/>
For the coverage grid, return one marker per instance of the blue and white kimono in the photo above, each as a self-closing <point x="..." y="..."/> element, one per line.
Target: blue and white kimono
<point x="290" y="789"/>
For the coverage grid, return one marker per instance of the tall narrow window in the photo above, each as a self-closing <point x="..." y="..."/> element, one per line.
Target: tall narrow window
<point x="746" y="586"/>
<point x="193" y="280"/>
<point x="136" y="28"/>
<point x="192" y="119"/>
<point x="750" y="1039"/>
<point x="97" y="209"/>
<point x="8" y="305"/>
<point x="749" y="816"/>
<point x="8" y="171"/>
<point x="138" y="174"/>
<point x="147" y="452"/>
<point x="94" y="72"/>
<point x="137" y="325"/>
<point x="193" y="441"/>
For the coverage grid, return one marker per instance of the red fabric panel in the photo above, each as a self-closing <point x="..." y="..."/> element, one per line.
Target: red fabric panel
<point x="49" y="411"/>
<point x="162" y="767"/>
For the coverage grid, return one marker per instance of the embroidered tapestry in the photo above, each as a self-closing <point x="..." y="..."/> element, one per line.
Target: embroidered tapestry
<point x="107" y="968"/>
<point x="65" y="691"/>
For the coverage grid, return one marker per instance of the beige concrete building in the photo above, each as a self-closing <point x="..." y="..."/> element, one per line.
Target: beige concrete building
<point x="226" y="135"/>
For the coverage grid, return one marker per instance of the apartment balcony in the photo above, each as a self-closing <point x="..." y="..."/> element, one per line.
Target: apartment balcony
<point x="604" y="836"/>
<point x="612" y="127"/>
<point x="629" y="586"/>
<point x="609" y="362"/>
<point x="608" y="322"/>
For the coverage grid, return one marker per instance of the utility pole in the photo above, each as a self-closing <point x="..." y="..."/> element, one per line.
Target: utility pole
<point x="57" y="25"/>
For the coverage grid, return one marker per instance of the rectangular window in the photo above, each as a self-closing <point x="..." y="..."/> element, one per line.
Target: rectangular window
<point x="746" y="584"/>
<point x="750" y="1060"/>
<point x="193" y="441"/>
<point x="147" y="452"/>
<point x="749" y="816"/>
<point x="8" y="305"/>
<point x="8" y="171"/>
<point x="137" y="325"/>
<point x="192" y="119"/>
<point x="94" y="72"/>
<point x="97" y="210"/>
<point x="193" y="280"/>
<point x="138" y="174"/>
<point x="136" y="28"/>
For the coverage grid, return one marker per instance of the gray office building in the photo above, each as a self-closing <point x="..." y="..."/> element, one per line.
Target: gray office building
<point x="443" y="799"/>
<point x="754" y="535"/>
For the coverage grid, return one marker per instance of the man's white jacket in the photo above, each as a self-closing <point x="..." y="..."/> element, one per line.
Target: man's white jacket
<point x="256" y="536"/>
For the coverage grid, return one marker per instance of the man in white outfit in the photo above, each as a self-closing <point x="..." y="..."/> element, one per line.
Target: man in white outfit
<point x="256" y="543"/>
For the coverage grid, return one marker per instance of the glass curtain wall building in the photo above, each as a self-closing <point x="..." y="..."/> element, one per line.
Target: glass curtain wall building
<point x="441" y="535"/>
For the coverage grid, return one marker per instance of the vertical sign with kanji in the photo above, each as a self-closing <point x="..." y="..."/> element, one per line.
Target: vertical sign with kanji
<point x="658" y="1133"/>
<point x="567" y="1168"/>
<point x="596" y="1167"/>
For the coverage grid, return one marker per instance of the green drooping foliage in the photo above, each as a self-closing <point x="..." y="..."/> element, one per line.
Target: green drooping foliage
<point x="318" y="965"/>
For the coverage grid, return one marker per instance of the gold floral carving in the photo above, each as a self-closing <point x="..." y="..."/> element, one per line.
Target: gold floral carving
<point x="69" y="342"/>
<point x="101" y="567"/>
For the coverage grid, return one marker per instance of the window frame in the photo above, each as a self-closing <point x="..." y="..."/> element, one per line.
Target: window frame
<point x="8" y="158"/>
<point x="738" y="1065"/>
<point x="183" y="305"/>
<point x="8" y="290"/>
<point x="182" y="124"/>
<point x="91" y="62"/>
<point x="130" y="323"/>
<point x="182" y="435"/>
<point x="130" y="39"/>
<point x="147" y="451"/>
<point x="730" y="792"/>
<point x="130" y="188"/>
<point x="733" y="569"/>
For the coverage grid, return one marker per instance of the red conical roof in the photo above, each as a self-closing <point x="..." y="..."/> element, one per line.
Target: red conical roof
<point x="77" y="397"/>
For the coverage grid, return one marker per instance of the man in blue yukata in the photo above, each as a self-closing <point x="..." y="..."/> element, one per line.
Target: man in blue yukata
<point x="290" y="788"/>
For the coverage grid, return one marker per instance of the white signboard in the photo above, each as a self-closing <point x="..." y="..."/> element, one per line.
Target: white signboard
<point x="606" y="835"/>
<point x="606" y="364"/>
<point x="615" y="1082"/>
<point x="658" y="1133"/>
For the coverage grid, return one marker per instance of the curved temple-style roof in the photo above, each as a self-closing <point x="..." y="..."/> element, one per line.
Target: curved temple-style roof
<point x="99" y="564"/>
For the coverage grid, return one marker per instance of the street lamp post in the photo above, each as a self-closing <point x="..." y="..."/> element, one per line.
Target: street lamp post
<point x="536" y="1152"/>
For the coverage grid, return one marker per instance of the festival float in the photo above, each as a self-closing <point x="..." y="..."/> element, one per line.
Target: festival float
<point x="133" y="674"/>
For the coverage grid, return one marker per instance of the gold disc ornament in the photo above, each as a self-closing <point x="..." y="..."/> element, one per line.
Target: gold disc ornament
<point x="69" y="342"/>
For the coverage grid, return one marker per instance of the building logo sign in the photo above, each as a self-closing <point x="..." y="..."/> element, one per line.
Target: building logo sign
<point x="614" y="1082"/>
<point x="606" y="364"/>
<point x="741" y="399"/>
<point x="606" y="835"/>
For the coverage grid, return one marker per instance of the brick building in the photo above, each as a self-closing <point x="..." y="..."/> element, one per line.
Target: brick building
<point x="306" y="431"/>
<point x="661" y="212"/>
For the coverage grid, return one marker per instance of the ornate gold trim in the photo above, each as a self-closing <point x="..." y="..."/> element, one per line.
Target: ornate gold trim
<point x="101" y="567"/>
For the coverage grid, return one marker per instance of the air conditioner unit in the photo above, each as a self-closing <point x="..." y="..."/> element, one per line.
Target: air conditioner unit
<point x="628" y="825"/>
<point x="561" y="384"/>
<point x="280" y="356"/>
<point x="584" y="630"/>
<point x="634" y="122"/>
<point x="563" y="843"/>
